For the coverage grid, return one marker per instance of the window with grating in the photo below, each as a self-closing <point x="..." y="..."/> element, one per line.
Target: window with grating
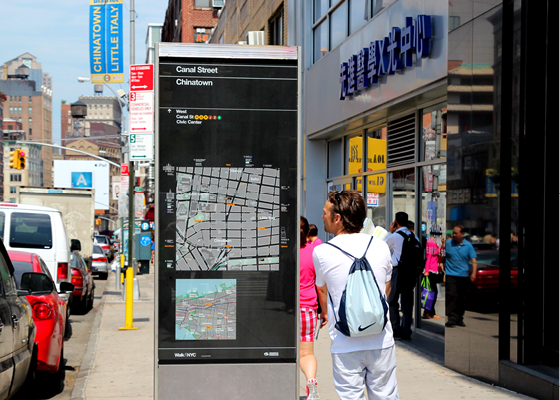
<point x="401" y="141"/>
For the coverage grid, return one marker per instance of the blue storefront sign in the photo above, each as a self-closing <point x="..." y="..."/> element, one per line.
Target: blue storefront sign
<point x="82" y="180"/>
<point x="106" y="41"/>
<point x="386" y="56"/>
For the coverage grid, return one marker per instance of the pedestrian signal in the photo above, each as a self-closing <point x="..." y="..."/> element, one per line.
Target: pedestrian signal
<point x="21" y="160"/>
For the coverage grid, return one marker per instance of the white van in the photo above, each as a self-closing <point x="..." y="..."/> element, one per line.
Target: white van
<point x="39" y="230"/>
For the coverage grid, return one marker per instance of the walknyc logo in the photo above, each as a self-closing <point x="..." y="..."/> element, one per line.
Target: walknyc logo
<point x="82" y="180"/>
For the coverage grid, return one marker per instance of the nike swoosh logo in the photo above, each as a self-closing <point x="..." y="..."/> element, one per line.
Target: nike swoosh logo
<point x="363" y="329"/>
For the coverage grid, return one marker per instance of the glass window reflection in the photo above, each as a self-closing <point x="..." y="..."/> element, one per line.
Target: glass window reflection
<point x="338" y="25"/>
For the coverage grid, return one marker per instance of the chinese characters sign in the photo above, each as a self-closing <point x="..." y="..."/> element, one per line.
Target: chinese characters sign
<point x="386" y="56"/>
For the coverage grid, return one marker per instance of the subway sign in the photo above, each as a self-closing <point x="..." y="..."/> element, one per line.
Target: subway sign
<point x="386" y="56"/>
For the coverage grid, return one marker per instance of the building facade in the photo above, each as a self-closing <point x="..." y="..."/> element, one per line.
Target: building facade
<point x="422" y="106"/>
<point x="65" y="122"/>
<point x="190" y="21"/>
<point x="31" y="175"/>
<point x="33" y="109"/>
<point x="104" y="109"/>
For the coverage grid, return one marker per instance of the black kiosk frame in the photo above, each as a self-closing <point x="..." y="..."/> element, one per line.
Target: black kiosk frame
<point x="227" y="221"/>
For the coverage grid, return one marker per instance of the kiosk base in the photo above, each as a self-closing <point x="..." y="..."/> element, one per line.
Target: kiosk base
<point x="228" y="381"/>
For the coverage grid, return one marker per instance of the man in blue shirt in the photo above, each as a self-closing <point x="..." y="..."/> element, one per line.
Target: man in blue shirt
<point x="458" y="254"/>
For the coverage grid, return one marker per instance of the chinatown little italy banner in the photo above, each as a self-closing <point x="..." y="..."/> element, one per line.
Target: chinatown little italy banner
<point x="106" y="41"/>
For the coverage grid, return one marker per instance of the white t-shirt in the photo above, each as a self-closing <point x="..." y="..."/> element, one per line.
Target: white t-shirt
<point x="332" y="267"/>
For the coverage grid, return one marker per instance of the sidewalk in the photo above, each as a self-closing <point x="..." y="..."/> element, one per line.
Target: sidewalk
<point x="119" y="364"/>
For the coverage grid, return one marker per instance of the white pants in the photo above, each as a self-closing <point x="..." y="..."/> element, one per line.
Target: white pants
<point x="375" y="370"/>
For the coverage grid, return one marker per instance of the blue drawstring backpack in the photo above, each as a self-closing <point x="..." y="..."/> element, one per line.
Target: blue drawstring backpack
<point x="362" y="310"/>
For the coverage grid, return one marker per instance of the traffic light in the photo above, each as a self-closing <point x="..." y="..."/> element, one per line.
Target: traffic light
<point x="98" y="221"/>
<point x="21" y="160"/>
<point x="14" y="158"/>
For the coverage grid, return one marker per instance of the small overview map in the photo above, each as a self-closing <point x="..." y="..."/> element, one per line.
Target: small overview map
<point x="206" y="309"/>
<point x="228" y="219"/>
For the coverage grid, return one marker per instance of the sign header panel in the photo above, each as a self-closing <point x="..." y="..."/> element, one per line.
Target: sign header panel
<point x="227" y="149"/>
<point x="106" y="41"/>
<point x="142" y="77"/>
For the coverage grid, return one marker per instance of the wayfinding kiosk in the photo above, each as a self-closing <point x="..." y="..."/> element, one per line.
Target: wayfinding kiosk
<point x="227" y="222"/>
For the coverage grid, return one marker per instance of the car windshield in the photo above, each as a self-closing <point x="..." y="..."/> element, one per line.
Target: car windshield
<point x="21" y="267"/>
<point x="101" y="240"/>
<point x="30" y="230"/>
<point x="97" y="249"/>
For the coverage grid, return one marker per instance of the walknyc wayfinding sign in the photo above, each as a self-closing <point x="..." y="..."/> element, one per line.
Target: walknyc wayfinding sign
<point x="386" y="56"/>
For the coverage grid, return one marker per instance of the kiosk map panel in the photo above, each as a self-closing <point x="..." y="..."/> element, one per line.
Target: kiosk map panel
<point x="227" y="220"/>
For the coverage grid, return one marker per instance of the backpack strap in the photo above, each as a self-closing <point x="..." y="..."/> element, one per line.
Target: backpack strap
<point x="350" y="255"/>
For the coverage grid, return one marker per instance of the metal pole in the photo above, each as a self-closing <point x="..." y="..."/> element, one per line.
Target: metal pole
<point x="131" y="163"/>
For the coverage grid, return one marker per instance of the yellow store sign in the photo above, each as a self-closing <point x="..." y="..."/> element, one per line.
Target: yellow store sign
<point x="376" y="160"/>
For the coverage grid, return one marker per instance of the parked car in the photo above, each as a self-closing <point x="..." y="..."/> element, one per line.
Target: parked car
<point x="99" y="262"/>
<point x="105" y="243"/>
<point x="84" y="286"/>
<point x="49" y="308"/>
<point x="40" y="230"/>
<point x="18" y="351"/>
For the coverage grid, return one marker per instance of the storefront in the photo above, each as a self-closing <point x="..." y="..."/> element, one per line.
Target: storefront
<point x="430" y="137"/>
<point x="378" y="127"/>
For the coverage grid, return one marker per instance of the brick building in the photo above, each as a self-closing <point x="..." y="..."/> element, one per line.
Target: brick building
<point x="65" y="122"/>
<point x="190" y="21"/>
<point x="239" y="17"/>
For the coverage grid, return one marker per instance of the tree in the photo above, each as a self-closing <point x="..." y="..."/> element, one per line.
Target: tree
<point x="62" y="101"/>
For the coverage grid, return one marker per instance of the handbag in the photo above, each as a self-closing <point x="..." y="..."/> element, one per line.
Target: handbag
<point x="428" y="295"/>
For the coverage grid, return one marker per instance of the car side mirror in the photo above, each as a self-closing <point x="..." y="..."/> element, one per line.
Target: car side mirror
<point x="21" y="292"/>
<point x="66" y="287"/>
<point x="75" y="245"/>
<point x="36" y="283"/>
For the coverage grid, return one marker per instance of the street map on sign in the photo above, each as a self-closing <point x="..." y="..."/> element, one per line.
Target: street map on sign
<point x="206" y="309"/>
<point x="228" y="219"/>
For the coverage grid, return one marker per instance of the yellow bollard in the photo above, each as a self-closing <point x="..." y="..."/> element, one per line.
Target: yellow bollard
<point x="122" y="269"/>
<point x="129" y="293"/>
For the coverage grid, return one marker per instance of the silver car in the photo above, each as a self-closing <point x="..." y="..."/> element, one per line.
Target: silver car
<point x="99" y="262"/>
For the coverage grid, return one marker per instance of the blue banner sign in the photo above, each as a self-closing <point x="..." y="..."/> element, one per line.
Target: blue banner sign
<point x="386" y="56"/>
<point x="106" y="41"/>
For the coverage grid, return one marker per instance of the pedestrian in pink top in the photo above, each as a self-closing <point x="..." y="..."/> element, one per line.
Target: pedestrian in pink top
<point x="308" y="311"/>
<point x="433" y="272"/>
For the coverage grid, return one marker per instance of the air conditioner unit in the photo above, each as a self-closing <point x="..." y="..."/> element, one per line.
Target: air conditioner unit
<point x="255" y="38"/>
<point x="241" y="42"/>
<point x="218" y="3"/>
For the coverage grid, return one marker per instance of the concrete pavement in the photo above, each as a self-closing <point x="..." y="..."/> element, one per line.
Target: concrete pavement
<point x="119" y="364"/>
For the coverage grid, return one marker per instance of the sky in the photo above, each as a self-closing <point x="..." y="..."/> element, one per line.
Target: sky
<point x="56" y="32"/>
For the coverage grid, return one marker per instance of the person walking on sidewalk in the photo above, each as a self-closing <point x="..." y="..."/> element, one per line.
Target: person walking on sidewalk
<point x="402" y="282"/>
<point x="365" y="362"/>
<point x="308" y="311"/>
<point x="433" y="272"/>
<point x="458" y="253"/>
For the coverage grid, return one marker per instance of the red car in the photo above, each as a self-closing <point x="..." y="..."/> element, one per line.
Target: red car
<point x="49" y="309"/>
<point x="487" y="279"/>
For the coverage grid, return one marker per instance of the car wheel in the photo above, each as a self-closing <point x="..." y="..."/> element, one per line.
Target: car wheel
<point x="104" y="275"/>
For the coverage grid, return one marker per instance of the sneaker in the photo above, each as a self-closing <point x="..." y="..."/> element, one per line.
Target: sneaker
<point x="312" y="390"/>
<point x="450" y="324"/>
<point x="436" y="317"/>
<point x="461" y="323"/>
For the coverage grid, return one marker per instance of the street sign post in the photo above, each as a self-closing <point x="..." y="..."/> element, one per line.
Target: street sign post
<point x="228" y="220"/>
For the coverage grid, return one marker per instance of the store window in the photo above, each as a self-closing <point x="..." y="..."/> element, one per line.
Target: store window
<point x="335" y="158"/>
<point x="339" y="25"/>
<point x="358" y="14"/>
<point x="354" y="153"/>
<point x="434" y="134"/>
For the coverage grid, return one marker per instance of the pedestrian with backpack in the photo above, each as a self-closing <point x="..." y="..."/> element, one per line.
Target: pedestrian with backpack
<point x="407" y="258"/>
<point x="354" y="270"/>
